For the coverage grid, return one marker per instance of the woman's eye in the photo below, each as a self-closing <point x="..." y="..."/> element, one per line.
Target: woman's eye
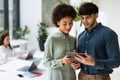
<point x="71" y="23"/>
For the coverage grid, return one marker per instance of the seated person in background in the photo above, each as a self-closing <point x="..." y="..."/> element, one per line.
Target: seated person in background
<point x="6" y="52"/>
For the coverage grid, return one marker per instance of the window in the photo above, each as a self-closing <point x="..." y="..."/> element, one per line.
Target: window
<point x="9" y="16"/>
<point x="1" y="15"/>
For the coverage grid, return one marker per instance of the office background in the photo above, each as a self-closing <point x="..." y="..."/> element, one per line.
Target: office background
<point x="18" y="13"/>
<point x="29" y="12"/>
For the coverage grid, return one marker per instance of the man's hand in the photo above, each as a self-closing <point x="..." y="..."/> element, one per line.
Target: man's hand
<point x="87" y="60"/>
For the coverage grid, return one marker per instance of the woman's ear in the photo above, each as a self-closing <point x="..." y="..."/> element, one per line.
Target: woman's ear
<point x="58" y="23"/>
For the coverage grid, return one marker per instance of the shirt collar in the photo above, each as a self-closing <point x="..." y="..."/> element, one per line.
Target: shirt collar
<point x="63" y="35"/>
<point x="97" y="27"/>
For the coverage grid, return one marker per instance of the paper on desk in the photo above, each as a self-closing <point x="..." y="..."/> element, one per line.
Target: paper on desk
<point x="37" y="73"/>
<point x="29" y="74"/>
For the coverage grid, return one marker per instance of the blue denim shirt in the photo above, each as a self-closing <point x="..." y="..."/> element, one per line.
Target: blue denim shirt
<point x="102" y="44"/>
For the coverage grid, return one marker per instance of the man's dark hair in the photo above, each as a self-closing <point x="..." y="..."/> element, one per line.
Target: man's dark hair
<point x="61" y="11"/>
<point x="88" y="8"/>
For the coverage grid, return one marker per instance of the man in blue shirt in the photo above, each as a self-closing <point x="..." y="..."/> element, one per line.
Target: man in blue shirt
<point x="99" y="44"/>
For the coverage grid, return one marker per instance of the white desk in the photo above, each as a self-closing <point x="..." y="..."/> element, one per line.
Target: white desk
<point x="11" y="72"/>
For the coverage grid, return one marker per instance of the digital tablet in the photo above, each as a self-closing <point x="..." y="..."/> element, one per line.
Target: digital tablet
<point x="71" y="54"/>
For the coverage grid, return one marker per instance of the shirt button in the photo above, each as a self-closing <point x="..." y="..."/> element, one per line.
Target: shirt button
<point x="86" y="42"/>
<point x="85" y="69"/>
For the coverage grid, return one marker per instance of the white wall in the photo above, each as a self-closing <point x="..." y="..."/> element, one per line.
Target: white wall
<point x="30" y="15"/>
<point x="113" y="10"/>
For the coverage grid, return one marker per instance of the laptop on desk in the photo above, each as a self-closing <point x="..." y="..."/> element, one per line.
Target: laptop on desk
<point x="32" y="66"/>
<point x="29" y="70"/>
<point x="29" y="55"/>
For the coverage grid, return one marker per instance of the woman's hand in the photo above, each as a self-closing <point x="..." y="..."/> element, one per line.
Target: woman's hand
<point x="67" y="60"/>
<point x="19" y="55"/>
<point x="75" y="66"/>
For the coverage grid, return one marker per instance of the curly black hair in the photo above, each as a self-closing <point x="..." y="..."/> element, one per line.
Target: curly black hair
<point x="87" y="8"/>
<point x="61" y="11"/>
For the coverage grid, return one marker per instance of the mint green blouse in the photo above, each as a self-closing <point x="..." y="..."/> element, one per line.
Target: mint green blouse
<point x="56" y="47"/>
